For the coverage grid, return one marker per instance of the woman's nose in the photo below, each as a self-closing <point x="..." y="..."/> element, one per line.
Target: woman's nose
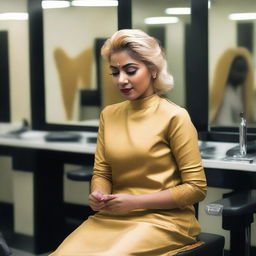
<point x="122" y="79"/>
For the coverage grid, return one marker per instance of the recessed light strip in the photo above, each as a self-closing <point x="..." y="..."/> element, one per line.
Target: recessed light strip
<point x="242" y="16"/>
<point x="94" y="3"/>
<point x="14" y="16"/>
<point x="55" y="4"/>
<point x="178" y="11"/>
<point x="182" y="10"/>
<point x="161" y="20"/>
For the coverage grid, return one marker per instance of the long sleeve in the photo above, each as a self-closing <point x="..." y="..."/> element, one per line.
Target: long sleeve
<point x="102" y="177"/>
<point x="184" y="145"/>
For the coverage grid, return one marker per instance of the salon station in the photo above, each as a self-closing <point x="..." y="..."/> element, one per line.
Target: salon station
<point x="54" y="84"/>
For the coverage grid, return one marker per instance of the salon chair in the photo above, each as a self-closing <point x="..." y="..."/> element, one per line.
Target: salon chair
<point x="213" y="244"/>
<point x="237" y="211"/>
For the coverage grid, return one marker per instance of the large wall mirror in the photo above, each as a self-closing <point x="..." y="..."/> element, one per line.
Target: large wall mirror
<point x="72" y="40"/>
<point x="68" y="76"/>
<point x="69" y="84"/>
<point x="74" y="91"/>
<point x="232" y="62"/>
<point x="72" y="43"/>
<point x="75" y="80"/>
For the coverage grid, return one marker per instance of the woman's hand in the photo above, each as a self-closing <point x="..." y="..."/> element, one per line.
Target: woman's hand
<point x="119" y="203"/>
<point x="97" y="200"/>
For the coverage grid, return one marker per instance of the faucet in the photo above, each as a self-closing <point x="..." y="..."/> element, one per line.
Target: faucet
<point x="243" y="135"/>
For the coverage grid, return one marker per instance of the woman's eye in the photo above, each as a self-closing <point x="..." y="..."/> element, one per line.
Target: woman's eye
<point x="114" y="74"/>
<point x="131" y="72"/>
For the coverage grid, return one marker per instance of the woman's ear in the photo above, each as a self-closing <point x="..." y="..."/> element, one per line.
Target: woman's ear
<point x="154" y="73"/>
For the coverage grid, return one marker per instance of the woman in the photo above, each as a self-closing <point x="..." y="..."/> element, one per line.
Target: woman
<point x="232" y="88"/>
<point x="148" y="171"/>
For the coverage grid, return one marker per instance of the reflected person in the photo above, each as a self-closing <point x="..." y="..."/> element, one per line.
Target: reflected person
<point x="148" y="171"/>
<point x="232" y="88"/>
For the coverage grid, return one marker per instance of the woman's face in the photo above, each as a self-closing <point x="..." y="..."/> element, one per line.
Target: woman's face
<point x="132" y="77"/>
<point x="238" y="71"/>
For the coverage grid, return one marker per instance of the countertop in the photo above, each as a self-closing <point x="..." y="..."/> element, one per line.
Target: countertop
<point x="220" y="153"/>
<point x="35" y="139"/>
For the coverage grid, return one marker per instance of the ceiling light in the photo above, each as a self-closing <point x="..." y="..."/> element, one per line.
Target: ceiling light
<point x="242" y="16"/>
<point x="14" y="16"/>
<point x="161" y="20"/>
<point x="178" y="11"/>
<point x="94" y="3"/>
<point x="55" y="4"/>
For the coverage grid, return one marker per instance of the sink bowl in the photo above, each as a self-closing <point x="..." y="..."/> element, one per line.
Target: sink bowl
<point x="235" y="151"/>
<point x="227" y="151"/>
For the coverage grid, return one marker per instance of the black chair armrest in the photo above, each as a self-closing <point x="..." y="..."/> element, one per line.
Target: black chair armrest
<point x="239" y="203"/>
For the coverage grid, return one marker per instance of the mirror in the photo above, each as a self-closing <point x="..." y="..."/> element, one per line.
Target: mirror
<point x="14" y="61"/>
<point x="74" y="73"/>
<point x="172" y="34"/>
<point x="232" y="62"/>
<point x="75" y="104"/>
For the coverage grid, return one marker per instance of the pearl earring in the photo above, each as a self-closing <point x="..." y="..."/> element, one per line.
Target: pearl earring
<point x="154" y="76"/>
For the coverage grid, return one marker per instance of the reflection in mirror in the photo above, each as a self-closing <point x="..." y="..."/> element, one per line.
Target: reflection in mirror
<point x="14" y="35"/>
<point x="74" y="85"/>
<point x="232" y="62"/>
<point x="172" y="31"/>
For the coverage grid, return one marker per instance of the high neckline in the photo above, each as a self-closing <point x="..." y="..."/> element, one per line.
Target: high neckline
<point x="144" y="102"/>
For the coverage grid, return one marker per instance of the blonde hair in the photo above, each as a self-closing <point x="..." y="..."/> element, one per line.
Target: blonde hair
<point x="220" y="82"/>
<point x="144" y="48"/>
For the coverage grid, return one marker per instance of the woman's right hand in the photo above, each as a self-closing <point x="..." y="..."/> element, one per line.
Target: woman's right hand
<point x="96" y="200"/>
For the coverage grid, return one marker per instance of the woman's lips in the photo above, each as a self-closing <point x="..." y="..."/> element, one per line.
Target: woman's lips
<point x="125" y="90"/>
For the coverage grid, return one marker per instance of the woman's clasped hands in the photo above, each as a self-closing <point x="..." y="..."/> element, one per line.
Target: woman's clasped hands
<point x="116" y="203"/>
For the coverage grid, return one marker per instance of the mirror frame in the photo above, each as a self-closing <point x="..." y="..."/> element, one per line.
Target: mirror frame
<point x="37" y="81"/>
<point x="5" y="108"/>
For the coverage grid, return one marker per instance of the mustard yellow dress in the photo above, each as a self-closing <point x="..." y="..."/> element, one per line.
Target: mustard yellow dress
<point x="144" y="146"/>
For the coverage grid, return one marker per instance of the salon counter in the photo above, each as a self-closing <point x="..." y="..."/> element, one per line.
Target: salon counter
<point x="31" y="153"/>
<point x="45" y="161"/>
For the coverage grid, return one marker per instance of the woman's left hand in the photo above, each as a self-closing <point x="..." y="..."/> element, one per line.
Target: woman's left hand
<point x="121" y="203"/>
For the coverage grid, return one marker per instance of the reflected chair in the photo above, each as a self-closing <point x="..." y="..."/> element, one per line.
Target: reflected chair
<point x="213" y="244"/>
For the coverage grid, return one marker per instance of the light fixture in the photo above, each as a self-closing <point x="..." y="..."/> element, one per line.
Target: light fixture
<point x="178" y="11"/>
<point x="49" y="4"/>
<point x="242" y="16"/>
<point x="14" y="16"/>
<point x="161" y="20"/>
<point x="182" y="10"/>
<point x="93" y="3"/>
